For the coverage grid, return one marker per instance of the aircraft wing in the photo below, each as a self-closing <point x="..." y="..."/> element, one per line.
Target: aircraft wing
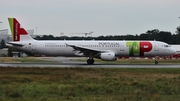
<point x="86" y="51"/>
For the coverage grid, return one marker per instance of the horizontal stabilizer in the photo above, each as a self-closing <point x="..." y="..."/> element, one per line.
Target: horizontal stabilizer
<point x="14" y="44"/>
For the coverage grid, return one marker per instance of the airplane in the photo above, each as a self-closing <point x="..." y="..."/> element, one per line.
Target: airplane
<point x="104" y="50"/>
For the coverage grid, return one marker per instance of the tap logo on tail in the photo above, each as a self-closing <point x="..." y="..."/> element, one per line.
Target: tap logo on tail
<point x="16" y="29"/>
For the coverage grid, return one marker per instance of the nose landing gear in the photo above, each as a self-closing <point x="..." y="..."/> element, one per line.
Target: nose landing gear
<point x="156" y="62"/>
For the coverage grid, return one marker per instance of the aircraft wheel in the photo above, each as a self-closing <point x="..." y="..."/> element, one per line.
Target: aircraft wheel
<point x="156" y="62"/>
<point x="90" y="61"/>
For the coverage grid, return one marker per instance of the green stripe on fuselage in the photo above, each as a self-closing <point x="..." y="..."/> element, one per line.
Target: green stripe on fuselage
<point x="134" y="48"/>
<point x="11" y="24"/>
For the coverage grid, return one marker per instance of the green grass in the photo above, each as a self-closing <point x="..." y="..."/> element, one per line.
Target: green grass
<point x="89" y="84"/>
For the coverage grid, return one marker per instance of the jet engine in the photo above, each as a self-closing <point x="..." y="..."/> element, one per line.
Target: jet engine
<point x="110" y="56"/>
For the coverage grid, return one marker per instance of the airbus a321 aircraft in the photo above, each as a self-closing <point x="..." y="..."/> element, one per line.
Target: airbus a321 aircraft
<point x="104" y="50"/>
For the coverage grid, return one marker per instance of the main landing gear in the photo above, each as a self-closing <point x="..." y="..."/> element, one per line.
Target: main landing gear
<point x="90" y="61"/>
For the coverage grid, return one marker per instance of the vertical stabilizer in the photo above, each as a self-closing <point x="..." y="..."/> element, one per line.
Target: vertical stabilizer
<point x="18" y="32"/>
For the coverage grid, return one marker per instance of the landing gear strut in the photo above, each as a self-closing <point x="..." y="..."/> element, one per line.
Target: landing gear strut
<point x="90" y="61"/>
<point x="156" y="62"/>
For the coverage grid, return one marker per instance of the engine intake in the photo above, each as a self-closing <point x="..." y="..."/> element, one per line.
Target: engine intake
<point x="108" y="56"/>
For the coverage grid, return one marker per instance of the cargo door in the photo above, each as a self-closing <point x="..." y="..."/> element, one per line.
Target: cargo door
<point x="121" y="47"/>
<point x="34" y="49"/>
<point x="156" y="46"/>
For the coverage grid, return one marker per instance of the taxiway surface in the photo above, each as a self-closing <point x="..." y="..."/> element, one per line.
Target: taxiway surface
<point x="84" y="65"/>
<point x="72" y="62"/>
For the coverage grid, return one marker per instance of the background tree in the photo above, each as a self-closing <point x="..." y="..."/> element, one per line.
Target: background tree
<point x="154" y="34"/>
<point x="178" y="30"/>
<point x="177" y="38"/>
<point x="3" y="44"/>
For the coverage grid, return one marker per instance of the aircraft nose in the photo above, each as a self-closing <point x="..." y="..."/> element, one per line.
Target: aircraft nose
<point x="173" y="51"/>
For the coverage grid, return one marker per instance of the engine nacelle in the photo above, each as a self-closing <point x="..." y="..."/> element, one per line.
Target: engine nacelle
<point x="108" y="56"/>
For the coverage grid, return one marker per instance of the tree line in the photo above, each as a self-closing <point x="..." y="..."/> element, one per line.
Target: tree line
<point x="154" y="34"/>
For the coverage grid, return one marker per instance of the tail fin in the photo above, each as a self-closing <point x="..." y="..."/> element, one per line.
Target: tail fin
<point x="18" y="33"/>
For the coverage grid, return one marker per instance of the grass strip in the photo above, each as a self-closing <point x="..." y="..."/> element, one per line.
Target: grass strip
<point x="89" y="84"/>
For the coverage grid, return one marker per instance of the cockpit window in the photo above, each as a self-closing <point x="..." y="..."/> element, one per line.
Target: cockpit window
<point x="167" y="46"/>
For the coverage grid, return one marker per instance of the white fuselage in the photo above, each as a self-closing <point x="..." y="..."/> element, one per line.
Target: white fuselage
<point x="120" y="48"/>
